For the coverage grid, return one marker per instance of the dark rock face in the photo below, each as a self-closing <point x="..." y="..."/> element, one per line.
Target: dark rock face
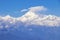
<point x="32" y="32"/>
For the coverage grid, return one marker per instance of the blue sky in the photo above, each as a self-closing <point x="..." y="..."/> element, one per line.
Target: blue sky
<point x="13" y="7"/>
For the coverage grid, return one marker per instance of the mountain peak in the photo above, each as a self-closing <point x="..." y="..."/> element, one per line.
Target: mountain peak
<point x="28" y="16"/>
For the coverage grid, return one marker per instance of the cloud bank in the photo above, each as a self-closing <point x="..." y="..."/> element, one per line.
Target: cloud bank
<point x="30" y="18"/>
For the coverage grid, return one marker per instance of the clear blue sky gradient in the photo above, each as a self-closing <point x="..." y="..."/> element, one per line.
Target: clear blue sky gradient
<point x="13" y="7"/>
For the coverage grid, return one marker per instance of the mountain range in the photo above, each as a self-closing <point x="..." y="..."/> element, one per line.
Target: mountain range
<point x="31" y="26"/>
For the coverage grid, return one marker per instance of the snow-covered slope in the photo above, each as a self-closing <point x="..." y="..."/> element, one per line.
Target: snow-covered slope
<point x="40" y="19"/>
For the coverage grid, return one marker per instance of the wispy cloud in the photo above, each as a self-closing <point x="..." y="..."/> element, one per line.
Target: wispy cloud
<point x="24" y="10"/>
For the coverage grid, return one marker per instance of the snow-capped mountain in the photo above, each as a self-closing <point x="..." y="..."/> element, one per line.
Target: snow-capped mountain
<point x="30" y="18"/>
